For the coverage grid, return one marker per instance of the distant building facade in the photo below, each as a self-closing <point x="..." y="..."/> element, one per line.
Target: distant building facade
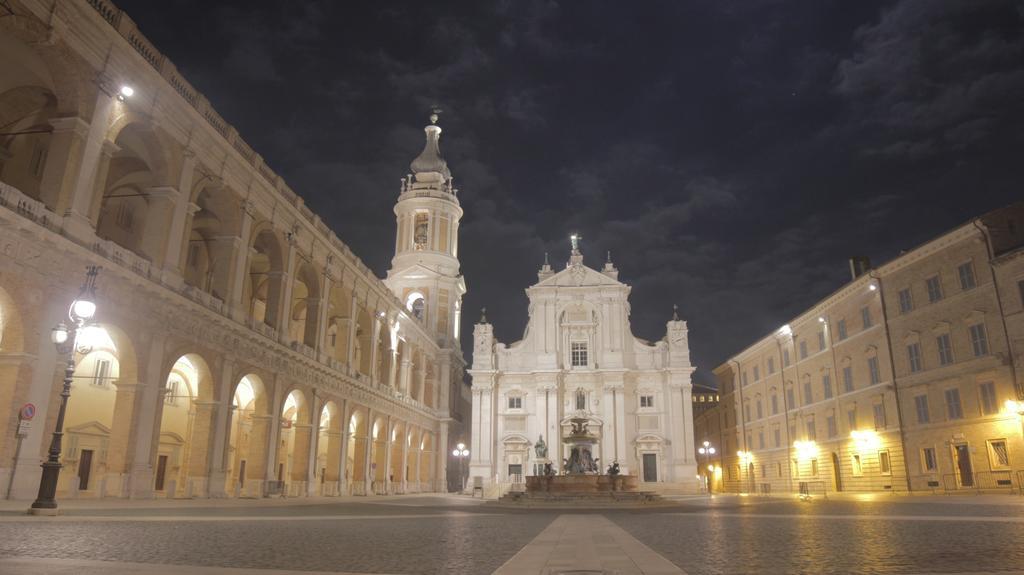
<point x="906" y="378"/>
<point x="579" y="358"/>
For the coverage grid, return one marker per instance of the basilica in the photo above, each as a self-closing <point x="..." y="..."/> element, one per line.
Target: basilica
<point x="579" y="369"/>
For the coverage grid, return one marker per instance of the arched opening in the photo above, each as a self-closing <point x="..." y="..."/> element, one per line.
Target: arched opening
<point x="136" y="203"/>
<point x="339" y="319"/>
<point x="248" y="440"/>
<point x="358" y="441"/>
<point x="416" y="377"/>
<point x="98" y="422"/>
<point x="378" y="456"/>
<point x="27" y="106"/>
<point x="399" y="445"/>
<point x="263" y="288"/>
<point x="207" y="257"/>
<point x="15" y="377"/>
<point x="426" y="463"/>
<point x="182" y="465"/>
<point x="364" y="334"/>
<point x="293" y="444"/>
<point x="417" y="305"/>
<point x="305" y="305"/>
<point x="328" y="453"/>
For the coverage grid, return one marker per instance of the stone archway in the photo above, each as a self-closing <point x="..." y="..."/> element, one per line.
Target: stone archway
<point x="358" y="443"/>
<point x="182" y="459"/>
<point x="328" y="453"/>
<point x="293" y="444"/>
<point x="248" y="438"/>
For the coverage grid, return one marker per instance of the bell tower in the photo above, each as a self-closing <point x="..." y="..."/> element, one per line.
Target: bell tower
<point x="425" y="272"/>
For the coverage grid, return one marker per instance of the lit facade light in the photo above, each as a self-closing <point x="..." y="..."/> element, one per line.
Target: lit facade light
<point x="127" y="91"/>
<point x="865" y="440"/>
<point x="59" y="334"/>
<point x="821" y="320"/>
<point x="872" y="286"/>
<point x="805" y="449"/>
<point x="1014" y="406"/>
<point x="83" y="308"/>
<point x="786" y="330"/>
<point x="455" y="452"/>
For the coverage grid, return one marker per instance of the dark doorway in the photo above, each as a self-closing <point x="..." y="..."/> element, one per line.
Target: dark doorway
<point x="161" y="472"/>
<point x="963" y="465"/>
<point x="84" y="469"/>
<point x="650" y="467"/>
<point x="836" y="472"/>
<point x="515" y="471"/>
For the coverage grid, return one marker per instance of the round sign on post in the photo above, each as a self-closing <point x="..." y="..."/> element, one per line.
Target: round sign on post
<point x="28" y="411"/>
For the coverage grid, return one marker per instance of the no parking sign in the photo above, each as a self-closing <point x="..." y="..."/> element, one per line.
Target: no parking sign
<point x="28" y="411"/>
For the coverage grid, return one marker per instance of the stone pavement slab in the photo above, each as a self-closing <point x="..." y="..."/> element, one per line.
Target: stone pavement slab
<point x="40" y="566"/>
<point x="586" y="544"/>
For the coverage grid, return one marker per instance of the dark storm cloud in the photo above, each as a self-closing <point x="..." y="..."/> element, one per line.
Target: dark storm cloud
<point x="731" y="155"/>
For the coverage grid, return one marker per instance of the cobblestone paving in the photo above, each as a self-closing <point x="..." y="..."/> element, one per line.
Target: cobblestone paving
<point x="447" y="535"/>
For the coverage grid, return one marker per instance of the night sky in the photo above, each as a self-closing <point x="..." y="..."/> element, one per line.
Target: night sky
<point x="731" y="154"/>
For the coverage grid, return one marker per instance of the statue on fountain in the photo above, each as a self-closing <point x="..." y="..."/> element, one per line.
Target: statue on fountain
<point x="541" y="448"/>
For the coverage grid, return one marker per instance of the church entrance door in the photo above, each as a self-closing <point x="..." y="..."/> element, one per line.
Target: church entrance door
<point x="650" y="467"/>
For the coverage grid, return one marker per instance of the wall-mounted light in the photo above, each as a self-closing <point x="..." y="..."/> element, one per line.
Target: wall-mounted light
<point x="125" y="92"/>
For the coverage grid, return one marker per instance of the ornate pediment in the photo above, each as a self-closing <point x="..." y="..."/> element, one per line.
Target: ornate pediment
<point x="578" y="275"/>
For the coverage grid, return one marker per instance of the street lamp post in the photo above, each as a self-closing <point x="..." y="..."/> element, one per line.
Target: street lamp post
<point x="707" y="450"/>
<point x="461" y="453"/>
<point x="65" y="338"/>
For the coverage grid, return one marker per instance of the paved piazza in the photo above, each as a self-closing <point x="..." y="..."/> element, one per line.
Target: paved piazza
<point x="438" y="534"/>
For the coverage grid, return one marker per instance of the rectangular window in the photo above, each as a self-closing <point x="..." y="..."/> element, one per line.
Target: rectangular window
<point x="814" y="467"/>
<point x="851" y="419"/>
<point x="905" y="300"/>
<point x="1020" y="290"/>
<point x="821" y="341"/>
<point x="989" y="404"/>
<point x="830" y="423"/>
<point x="873" y="370"/>
<point x="790" y="398"/>
<point x="826" y="385"/>
<point x="38" y="160"/>
<point x="953" y="408"/>
<point x="934" y="289"/>
<point x="979" y="339"/>
<point x="928" y="461"/>
<point x="808" y="396"/>
<point x="743" y="378"/>
<point x="757" y="373"/>
<point x="760" y="439"/>
<point x="803" y="349"/>
<point x="921" y="406"/>
<point x="858" y="467"/>
<point x="785" y="353"/>
<point x="884" y="464"/>
<point x="945" y="349"/>
<point x="812" y="430"/>
<point x="966" y="274"/>
<point x="579" y="354"/>
<point x="847" y="379"/>
<point x="771" y="365"/>
<point x="796" y="468"/>
<point x="760" y="409"/>
<point x="879" y="412"/>
<point x="865" y="316"/>
<point x="914" y="357"/>
<point x="775" y="404"/>
<point x="841" y="328"/>
<point x="515" y="402"/>
<point x="646" y="401"/>
<point x="101" y="372"/>
<point x="998" y="455"/>
<point x="777" y="433"/>
<point x="746" y="411"/>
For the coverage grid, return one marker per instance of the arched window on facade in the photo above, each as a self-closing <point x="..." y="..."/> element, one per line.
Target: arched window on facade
<point x="581" y="399"/>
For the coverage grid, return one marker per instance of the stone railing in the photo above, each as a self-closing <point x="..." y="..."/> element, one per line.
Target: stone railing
<point x="14" y="200"/>
<point x="123" y="257"/>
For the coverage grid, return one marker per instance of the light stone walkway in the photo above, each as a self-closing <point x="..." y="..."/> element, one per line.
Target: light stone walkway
<point x="40" y="566"/>
<point x="584" y="544"/>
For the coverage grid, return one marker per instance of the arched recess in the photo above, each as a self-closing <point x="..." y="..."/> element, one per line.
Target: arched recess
<point x="378" y="455"/>
<point x="426" y="463"/>
<point x="98" y="422"/>
<point x="417" y="375"/>
<point x="358" y="441"/>
<point x="248" y="444"/>
<point x="293" y="443"/>
<point x="363" y="344"/>
<point x="384" y="353"/>
<point x="27" y="106"/>
<point x="263" y="288"/>
<point x="396" y="473"/>
<point x="339" y="319"/>
<point x="328" y="452"/>
<point x="207" y="258"/>
<point x="16" y="368"/>
<point x="429" y="383"/>
<point x="305" y="305"/>
<point x="182" y="459"/>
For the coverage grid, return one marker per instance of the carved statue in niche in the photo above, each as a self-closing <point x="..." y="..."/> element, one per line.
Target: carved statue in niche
<point x="421" y="231"/>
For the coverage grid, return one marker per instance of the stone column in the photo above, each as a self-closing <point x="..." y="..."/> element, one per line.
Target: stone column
<point x="343" y="470"/>
<point x="81" y="180"/>
<point x="352" y="321"/>
<point x="63" y="162"/>
<point x="404" y="481"/>
<point x="203" y="433"/>
<point x="387" y="455"/>
<point x="107" y="151"/>
<point x="177" y="230"/>
<point x="323" y="306"/>
<point x="115" y="482"/>
<point x="166" y="209"/>
<point x="374" y="348"/>
<point x="300" y="456"/>
<point x="240" y="267"/>
<point x="368" y="454"/>
<point x="282" y="303"/>
<point x="403" y="375"/>
<point x="441" y="453"/>
<point x="259" y="447"/>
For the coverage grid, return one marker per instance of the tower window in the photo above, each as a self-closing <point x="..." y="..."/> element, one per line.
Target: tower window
<point x="421" y="230"/>
<point x="579" y="354"/>
<point x="581" y="399"/>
